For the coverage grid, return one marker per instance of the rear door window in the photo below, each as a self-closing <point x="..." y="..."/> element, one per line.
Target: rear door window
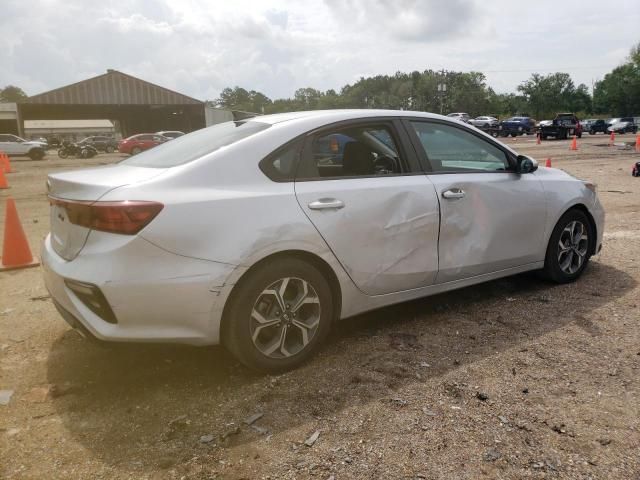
<point x="347" y="152"/>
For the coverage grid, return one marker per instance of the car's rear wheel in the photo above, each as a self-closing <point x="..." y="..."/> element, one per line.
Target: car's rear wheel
<point x="279" y="315"/>
<point x="135" y="150"/>
<point x="569" y="248"/>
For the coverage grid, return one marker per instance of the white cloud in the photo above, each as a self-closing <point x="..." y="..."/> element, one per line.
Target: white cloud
<point x="199" y="47"/>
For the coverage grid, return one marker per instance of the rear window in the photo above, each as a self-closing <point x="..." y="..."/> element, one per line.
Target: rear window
<point x="187" y="148"/>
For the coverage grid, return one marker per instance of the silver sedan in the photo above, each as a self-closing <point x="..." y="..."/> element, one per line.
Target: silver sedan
<point x="259" y="234"/>
<point x="484" y="122"/>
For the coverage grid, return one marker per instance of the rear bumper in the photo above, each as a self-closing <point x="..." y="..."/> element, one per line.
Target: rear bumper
<point x="156" y="296"/>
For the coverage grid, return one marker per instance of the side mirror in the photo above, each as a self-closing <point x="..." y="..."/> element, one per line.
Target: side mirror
<point x="526" y="164"/>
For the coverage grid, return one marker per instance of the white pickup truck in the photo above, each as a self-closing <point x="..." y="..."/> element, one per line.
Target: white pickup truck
<point x="13" y="145"/>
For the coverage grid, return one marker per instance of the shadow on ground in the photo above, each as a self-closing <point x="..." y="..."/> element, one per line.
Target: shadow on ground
<point x="148" y="406"/>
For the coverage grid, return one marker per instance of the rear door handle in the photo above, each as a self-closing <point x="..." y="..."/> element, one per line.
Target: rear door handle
<point x="326" y="203"/>
<point x="453" y="194"/>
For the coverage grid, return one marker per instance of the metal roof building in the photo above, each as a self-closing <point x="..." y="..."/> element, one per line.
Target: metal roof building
<point x="136" y="106"/>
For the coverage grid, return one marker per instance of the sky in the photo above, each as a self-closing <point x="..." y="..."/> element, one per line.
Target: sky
<point x="199" y="47"/>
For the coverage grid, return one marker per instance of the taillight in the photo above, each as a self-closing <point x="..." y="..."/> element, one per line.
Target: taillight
<point x="126" y="217"/>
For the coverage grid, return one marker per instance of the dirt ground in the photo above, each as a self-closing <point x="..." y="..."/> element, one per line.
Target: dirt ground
<point x="512" y="379"/>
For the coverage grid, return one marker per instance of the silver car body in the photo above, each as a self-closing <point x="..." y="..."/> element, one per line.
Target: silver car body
<point x="14" y="145"/>
<point x="484" y="121"/>
<point x="396" y="238"/>
<point x="461" y="116"/>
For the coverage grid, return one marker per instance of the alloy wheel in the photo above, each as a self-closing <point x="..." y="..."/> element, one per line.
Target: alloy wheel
<point x="285" y="318"/>
<point x="572" y="247"/>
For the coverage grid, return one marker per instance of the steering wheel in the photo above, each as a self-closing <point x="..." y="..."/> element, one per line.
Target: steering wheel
<point x="384" y="165"/>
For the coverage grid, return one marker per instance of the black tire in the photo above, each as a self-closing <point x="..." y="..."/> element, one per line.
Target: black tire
<point x="62" y="153"/>
<point x="108" y="149"/>
<point x="238" y="321"/>
<point x="513" y="135"/>
<point x="592" y="132"/>
<point x="543" y="136"/>
<point x="552" y="266"/>
<point x="135" y="150"/>
<point x="36" y="154"/>
<point x="579" y="135"/>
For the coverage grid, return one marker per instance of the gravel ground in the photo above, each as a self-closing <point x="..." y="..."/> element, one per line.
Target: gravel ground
<point x="516" y="378"/>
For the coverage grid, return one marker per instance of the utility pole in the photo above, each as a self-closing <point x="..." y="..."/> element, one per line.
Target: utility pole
<point x="442" y="89"/>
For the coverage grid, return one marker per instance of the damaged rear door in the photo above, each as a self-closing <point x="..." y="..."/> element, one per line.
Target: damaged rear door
<point x="367" y="197"/>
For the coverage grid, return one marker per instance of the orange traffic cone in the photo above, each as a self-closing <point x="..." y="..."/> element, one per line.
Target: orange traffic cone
<point x="612" y="139"/>
<point x="574" y="144"/>
<point x="7" y="163"/>
<point x="538" y="141"/>
<point x="548" y="163"/>
<point x="3" y="180"/>
<point x="638" y="143"/>
<point x="15" y="250"/>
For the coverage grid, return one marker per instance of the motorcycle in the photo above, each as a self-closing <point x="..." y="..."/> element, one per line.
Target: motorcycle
<point x="69" y="149"/>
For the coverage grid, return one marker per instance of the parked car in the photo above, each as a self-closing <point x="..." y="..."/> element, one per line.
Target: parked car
<point x="516" y="126"/>
<point x="594" y="126"/>
<point x="623" y="127"/>
<point x="543" y="123"/>
<point x="101" y="143"/>
<point x="242" y="234"/>
<point x="14" y="145"/>
<point x="170" y="134"/>
<point x="463" y="117"/>
<point x="563" y="126"/>
<point x="484" y="122"/>
<point x="138" y="143"/>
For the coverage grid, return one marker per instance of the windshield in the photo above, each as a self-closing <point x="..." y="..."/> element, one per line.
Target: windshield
<point x="187" y="148"/>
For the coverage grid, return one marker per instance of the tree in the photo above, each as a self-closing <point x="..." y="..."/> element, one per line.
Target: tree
<point x="547" y="95"/>
<point x="11" y="93"/>
<point x="619" y="92"/>
<point x="238" y="98"/>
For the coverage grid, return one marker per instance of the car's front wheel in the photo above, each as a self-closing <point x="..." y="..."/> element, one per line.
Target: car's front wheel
<point x="36" y="154"/>
<point x="569" y="248"/>
<point x="279" y="315"/>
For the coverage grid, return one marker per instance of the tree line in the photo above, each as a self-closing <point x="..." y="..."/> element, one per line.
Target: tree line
<point x="540" y="96"/>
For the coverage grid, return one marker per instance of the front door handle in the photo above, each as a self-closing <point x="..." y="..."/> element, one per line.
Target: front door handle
<point x="453" y="194"/>
<point x="326" y="203"/>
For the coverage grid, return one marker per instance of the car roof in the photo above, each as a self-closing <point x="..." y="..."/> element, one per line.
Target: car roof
<point x="338" y="115"/>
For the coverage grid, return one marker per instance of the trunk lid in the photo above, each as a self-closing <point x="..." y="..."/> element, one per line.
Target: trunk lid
<point x="86" y="186"/>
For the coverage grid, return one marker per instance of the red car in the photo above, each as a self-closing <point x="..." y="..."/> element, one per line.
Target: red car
<point x="137" y="143"/>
